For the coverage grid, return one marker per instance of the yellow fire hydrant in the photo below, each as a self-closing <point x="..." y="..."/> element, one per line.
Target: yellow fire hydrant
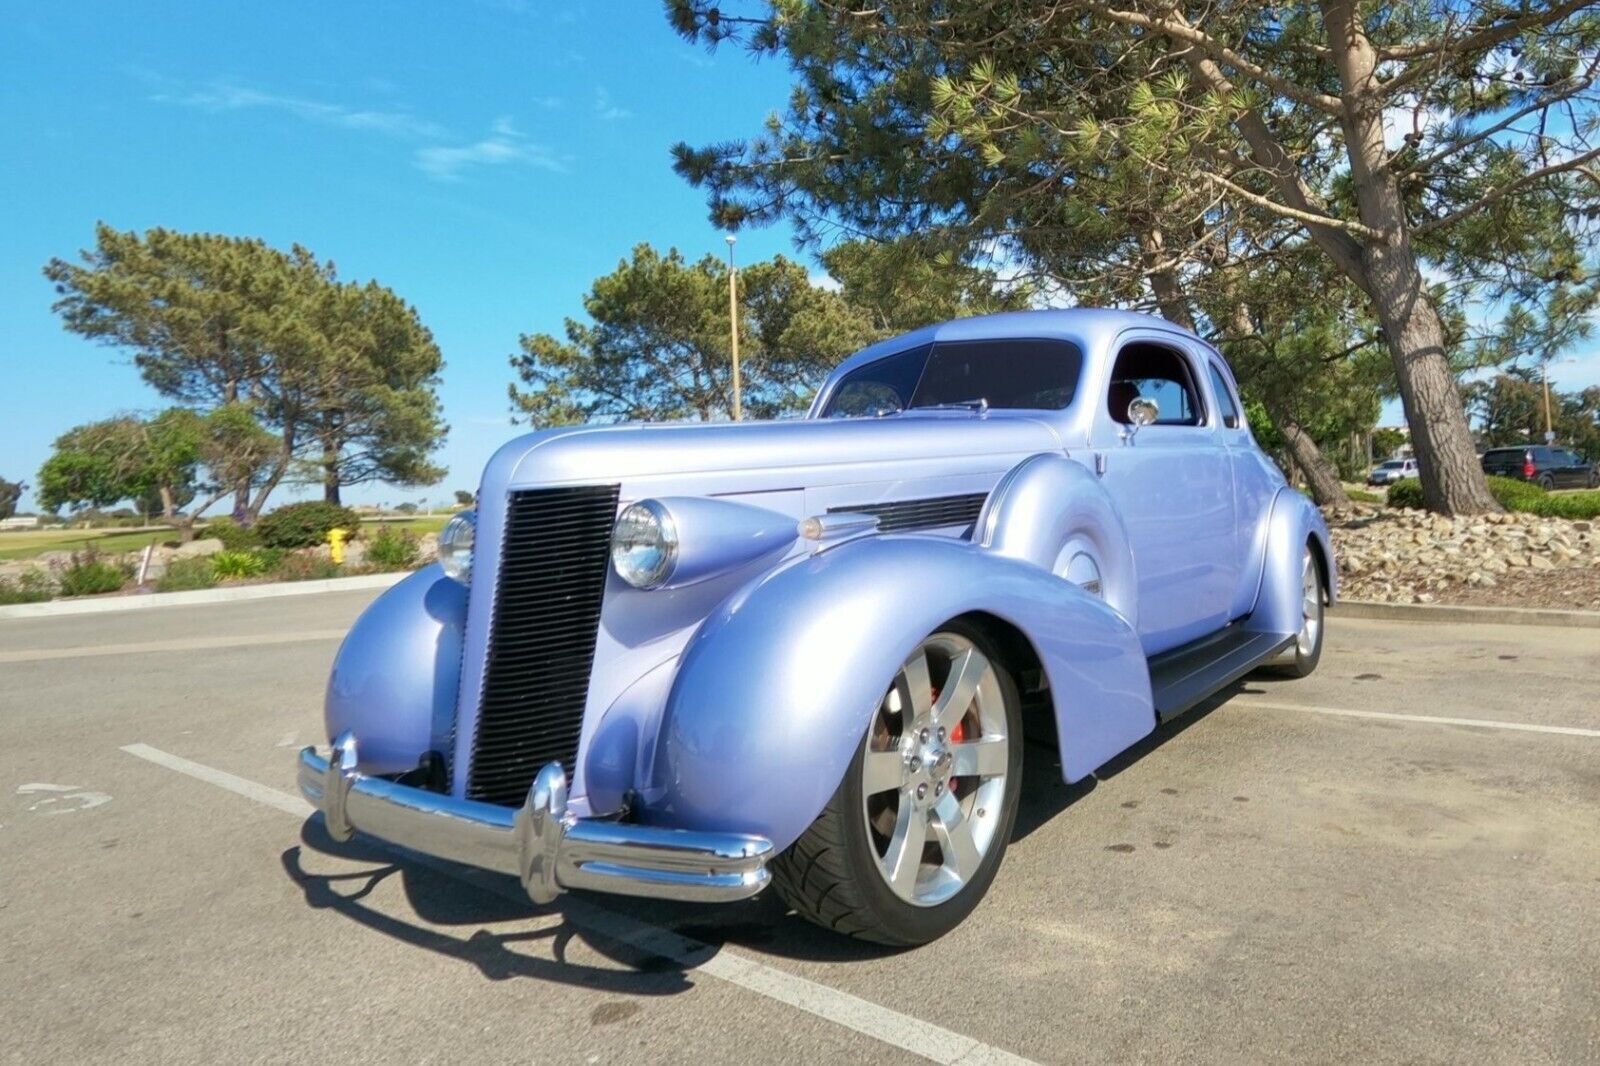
<point x="336" y="539"/>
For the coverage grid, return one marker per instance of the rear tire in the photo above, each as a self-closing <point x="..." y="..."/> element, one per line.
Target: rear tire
<point x="912" y="838"/>
<point x="1547" y="482"/>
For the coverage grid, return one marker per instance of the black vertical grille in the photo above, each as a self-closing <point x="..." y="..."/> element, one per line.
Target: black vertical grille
<point x="541" y="640"/>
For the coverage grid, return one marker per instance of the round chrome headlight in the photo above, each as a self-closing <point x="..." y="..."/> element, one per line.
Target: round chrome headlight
<point x="455" y="546"/>
<point x="644" y="545"/>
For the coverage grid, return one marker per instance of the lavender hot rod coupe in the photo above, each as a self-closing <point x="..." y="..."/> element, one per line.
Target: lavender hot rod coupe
<point x="687" y="661"/>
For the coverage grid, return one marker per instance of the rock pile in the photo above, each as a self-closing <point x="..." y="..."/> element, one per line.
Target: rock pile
<point x="1391" y="556"/>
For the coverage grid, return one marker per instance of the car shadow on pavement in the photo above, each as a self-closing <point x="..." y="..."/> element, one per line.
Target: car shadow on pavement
<point x="1045" y="795"/>
<point x="764" y="924"/>
<point x="437" y="900"/>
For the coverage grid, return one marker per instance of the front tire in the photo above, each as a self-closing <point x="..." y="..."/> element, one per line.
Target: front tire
<point x="912" y="838"/>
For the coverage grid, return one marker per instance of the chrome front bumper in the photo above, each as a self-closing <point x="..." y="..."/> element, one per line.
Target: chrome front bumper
<point x="540" y="843"/>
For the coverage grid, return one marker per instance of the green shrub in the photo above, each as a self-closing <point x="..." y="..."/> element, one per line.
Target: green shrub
<point x="186" y="575"/>
<point x="1574" y="505"/>
<point x="393" y="549"/>
<point x="236" y="564"/>
<point x="1514" y="495"/>
<point x="303" y="566"/>
<point x="90" y="575"/>
<point x="32" y="586"/>
<point x="234" y="537"/>
<point x="1407" y="492"/>
<point x="303" y="525"/>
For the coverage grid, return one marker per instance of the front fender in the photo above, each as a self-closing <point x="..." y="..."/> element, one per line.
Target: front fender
<point x="774" y="691"/>
<point x="1292" y="522"/>
<point x="395" y="677"/>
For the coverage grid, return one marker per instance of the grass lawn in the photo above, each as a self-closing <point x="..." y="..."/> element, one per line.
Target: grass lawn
<point x="419" y="525"/>
<point x="27" y="543"/>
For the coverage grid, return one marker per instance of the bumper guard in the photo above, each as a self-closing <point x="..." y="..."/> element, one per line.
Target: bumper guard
<point x="540" y="843"/>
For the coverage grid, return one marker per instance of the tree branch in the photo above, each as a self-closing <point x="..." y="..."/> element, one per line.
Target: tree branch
<point x="1497" y="194"/>
<point x="1179" y="29"/>
<point x="1310" y="218"/>
<point x="1482" y="35"/>
<point x="1567" y="91"/>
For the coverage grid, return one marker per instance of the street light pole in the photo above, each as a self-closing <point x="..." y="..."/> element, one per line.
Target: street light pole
<point x="1544" y="377"/>
<point x="733" y="319"/>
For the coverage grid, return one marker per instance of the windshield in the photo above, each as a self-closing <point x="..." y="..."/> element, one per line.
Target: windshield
<point x="1392" y="464"/>
<point x="1015" y="374"/>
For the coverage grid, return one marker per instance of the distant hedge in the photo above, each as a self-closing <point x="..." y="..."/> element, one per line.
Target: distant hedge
<point x="303" y="525"/>
<point x="1521" y="496"/>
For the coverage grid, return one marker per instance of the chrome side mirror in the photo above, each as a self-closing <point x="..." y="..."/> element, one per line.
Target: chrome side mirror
<point x="1143" y="411"/>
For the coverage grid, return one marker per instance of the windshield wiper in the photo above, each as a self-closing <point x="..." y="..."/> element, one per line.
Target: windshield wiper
<point x="980" y="405"/>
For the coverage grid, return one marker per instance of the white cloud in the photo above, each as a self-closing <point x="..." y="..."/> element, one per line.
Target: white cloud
<point x="504" y="145"/>
<point x="607" y="110"/>
<point x="224" y="97"/>
<point x="828" y="282"/>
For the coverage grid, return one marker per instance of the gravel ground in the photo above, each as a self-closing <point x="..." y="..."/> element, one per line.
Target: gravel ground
<point x="1573" y="589"/>
<point x="1513" y="560"/>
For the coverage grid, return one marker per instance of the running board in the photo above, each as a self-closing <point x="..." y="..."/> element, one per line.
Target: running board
<point x="1184" y="676"/>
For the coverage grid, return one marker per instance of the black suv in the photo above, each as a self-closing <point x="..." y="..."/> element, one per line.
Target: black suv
<point x="1549" y="468"/>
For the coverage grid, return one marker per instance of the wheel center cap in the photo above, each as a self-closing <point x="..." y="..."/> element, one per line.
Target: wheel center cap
<point x="928" y="763"/>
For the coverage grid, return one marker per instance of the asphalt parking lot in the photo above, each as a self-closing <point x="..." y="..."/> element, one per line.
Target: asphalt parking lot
<point x="1314" y="871"/>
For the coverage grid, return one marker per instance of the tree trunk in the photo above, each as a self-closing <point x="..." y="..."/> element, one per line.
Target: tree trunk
<point x="279" y="469"/>
<point x="169" y="511"/>
<point x="1447" y="459"/>
<point x="1322" y="477"/>
<point x="1384" y="268"/>
<point x="1164" y="281"/>
<point x="1452" y="479"/>
<point x="330" y="471"/>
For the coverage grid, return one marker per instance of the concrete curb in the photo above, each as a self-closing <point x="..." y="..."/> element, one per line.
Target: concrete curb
<point x="1500" y="616"/>
<point x="201" y="596"/>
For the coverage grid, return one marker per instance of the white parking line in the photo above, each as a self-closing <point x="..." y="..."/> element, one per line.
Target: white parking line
<point x="1430" y="719"/>
<point x="243" y="786"/>
<point x="33" y="655"/>
<point x="922" y="1038"/>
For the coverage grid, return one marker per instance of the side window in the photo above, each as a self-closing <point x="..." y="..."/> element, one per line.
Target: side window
<point x="1219" y="385"/>
<point x="1154" y="372"/>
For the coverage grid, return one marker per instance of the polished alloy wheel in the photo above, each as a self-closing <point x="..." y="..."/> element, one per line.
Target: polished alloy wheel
<point x="1310" y="607"/>
<point x="934" y="770"/>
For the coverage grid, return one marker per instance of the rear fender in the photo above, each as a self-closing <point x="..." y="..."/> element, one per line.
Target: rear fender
<point x="1050" y="511"/>
<point x="775" y="689"/>
<point x="1292" y="522"/>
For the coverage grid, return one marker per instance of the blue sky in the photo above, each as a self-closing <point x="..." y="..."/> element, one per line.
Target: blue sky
<point x="486" y="160"/>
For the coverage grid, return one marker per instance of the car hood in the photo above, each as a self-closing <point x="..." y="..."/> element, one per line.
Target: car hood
<point x="824" y="448"/>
